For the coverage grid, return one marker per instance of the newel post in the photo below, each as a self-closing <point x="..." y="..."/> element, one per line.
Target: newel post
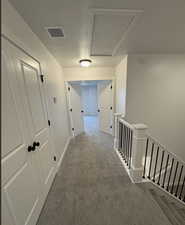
<point x="117" y="116"/>
<point x="138" y="151"/>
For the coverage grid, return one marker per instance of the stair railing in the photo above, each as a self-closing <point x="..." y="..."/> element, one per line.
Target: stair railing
<point x="146" y="159"/>
<point x="164" y="168"/>
<point x="125" y="137"/>
<point x="129" y="142"/>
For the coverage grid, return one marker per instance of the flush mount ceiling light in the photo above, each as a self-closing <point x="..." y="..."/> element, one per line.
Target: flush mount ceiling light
<point x="85" y="62"/>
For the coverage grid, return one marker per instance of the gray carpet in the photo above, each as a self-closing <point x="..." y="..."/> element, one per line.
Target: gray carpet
<point x="93" y="188"/>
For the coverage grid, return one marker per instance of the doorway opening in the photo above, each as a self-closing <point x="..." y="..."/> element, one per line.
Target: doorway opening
<point x="90" y="106"/>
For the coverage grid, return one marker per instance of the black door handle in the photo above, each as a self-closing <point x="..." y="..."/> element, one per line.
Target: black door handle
<point x="36" y="144"/>
<point x="33" y="148"/>
<point x="98" y="110"/>
<point x="30" y="148"/>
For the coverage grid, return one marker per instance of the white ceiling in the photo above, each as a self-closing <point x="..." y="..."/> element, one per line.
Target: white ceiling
<point x="105" y="30"/>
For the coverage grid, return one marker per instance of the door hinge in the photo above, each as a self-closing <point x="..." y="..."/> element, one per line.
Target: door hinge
<point x="49" y="123"/>
<point x="73" y="128"/>
<point x="42" y="78"/>
<point x="71" y="110"/>
<point x="111" y="127"/>
<point x="111" y="108"/>
<point x="55" y="158"/>
<point x="68" y="88"/>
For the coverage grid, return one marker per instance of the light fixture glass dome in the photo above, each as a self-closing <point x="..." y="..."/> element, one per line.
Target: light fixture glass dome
<point x="85" y="62"/>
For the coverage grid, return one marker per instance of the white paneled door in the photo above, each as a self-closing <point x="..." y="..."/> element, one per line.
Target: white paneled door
<point x="105" y="106"/>
<point x="75" y="108"/>
<point x="27" y="157"/>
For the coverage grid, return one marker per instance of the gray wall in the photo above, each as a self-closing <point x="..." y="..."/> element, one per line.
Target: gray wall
<point x="156" y="97"/>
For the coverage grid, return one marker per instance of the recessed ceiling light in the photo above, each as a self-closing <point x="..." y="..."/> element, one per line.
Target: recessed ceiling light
<point x="85" y="62"/>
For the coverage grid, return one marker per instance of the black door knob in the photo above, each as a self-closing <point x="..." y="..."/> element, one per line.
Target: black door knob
<point x="30" y="148"/>
<point x="36" y="144"/>
<point x="33" y="148"/>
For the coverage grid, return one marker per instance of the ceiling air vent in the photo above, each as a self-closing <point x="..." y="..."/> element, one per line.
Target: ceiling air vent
<point x="55" y="32"/>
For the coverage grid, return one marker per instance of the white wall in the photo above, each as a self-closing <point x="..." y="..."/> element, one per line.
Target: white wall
<point x="89" y="99"/>
<point x="90" y="73"/>
<point x="120" y="82"/>
<point x="156" y="97"/>
<point x="17" y="30"/>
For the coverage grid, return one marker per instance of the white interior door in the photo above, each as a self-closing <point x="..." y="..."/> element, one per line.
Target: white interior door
<point x="26" y="176"/>
<point x="105" y="106"/>
<point x="75" y="108"/>
<point x="39" y="126"/>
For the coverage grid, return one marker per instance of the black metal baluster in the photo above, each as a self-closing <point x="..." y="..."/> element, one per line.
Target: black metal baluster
<point x="151" y="157"/>
<point x="128" y="144"/>
<point x="156" y="159"/>
<point x="119" y="135"/>
<point x="182" y="188"/>
<point x="161" y="168"/>
<point x="167" y="188"/>
<point x="146" y="153"/>
<point x="131" y="135"/>
<point x="177" y="164"/>
<point x="179" y="181"/>
<point x="117" y="128"/>
<point x="122" y="138"/>
<point x="124" y="152"/>
<point x="165" y="170"/>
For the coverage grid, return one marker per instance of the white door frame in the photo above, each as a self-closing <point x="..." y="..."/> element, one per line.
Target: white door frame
<point x="70" y="107"/>
<point x="112" y="105"/>
<point x="67" y="84"/>
<point x="45" y="114"/>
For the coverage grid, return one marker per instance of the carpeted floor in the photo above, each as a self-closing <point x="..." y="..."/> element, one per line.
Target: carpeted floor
<point x="93" y="188"/>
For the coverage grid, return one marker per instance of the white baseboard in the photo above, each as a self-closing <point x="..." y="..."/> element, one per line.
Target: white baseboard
<point x="167" y="192"/>
<point x="124" y="164"/>
<point x="135" y="174"/>
<point x="62" y="155"/>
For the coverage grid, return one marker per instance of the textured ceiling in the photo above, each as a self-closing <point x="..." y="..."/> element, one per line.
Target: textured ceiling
<point x="160" y="28"/>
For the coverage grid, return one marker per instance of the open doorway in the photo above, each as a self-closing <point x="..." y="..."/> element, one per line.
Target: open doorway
<point x="90" y="106"/>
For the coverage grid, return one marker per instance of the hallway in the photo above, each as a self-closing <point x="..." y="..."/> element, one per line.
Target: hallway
<point x="91" y="124"/>
<point x="93" y="188"/>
